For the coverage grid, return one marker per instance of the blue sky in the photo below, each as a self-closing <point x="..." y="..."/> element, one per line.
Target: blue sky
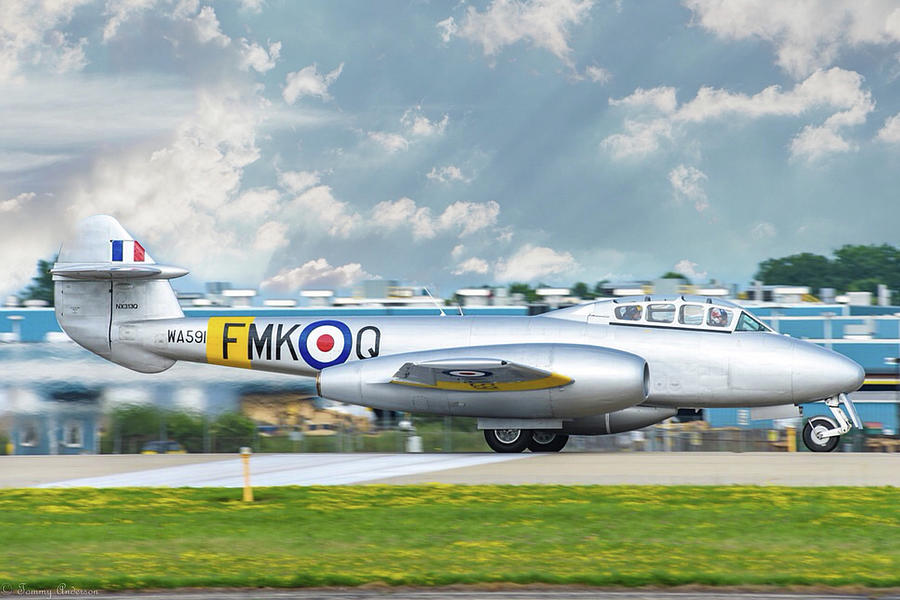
<point x="315" y="144"/>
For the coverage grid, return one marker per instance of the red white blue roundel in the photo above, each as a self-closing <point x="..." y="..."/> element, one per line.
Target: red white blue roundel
<point x="467" y="373"/>
<point x="325" y="343"/>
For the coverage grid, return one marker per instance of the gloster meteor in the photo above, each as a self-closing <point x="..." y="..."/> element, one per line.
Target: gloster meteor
<point x="598" y="368"/>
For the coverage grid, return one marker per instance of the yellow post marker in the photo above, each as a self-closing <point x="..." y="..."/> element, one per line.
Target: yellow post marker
<point x="791" y="439"/>
<point x="245" y="458"/>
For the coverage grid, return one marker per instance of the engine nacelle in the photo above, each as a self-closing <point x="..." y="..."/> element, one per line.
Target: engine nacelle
<point x="627" y="419"/>
<point x="603" y="380"/>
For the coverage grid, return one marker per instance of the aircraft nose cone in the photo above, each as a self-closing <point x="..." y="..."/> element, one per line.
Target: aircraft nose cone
<point x="821" y="373"/>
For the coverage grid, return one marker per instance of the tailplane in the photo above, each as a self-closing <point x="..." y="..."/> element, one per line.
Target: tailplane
<point x="104" y="279"/>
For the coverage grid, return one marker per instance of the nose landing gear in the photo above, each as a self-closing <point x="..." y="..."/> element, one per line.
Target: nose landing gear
<point x="822" y="434"/>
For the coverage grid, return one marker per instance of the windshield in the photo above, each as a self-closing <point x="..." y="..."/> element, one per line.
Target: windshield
<point x="748" y="323"/>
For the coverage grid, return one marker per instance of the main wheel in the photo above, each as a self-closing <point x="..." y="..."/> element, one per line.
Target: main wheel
<point x="812" y="435"/>
<point x="507" y="440"/>
<point x="547" y="441"/>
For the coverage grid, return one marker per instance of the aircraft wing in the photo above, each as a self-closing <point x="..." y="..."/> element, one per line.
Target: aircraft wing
<point x="477" y="375"/>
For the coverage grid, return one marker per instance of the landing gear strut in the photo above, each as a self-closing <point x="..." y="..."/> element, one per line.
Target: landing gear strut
<point x="822" y="434"/>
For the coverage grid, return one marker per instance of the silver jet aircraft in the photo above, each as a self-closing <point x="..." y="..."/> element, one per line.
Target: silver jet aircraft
<point x="598" y="368"/>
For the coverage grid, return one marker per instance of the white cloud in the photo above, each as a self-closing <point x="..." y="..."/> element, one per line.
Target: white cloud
<point x="309" y="82"/>
<point x="254" y="56"/>
<point x="469" y="216"/>
<point x="687" y="183"/>
<point x="640" y="138"/>
<point x="891" y="131"/>
<point x="542" y="23"/>
<point x="392" y="215"/>
<point x="78" y="110"/>
<point x="10" y="162"/>
<point x="298" y="181"/>
<point x="475" y="265"/>
<point x="29" y="38"/>
<point x="271" y="235"/>
<point x="253" y="204"/>
<point x="813" y="143"/>
<point x="689" y="269"/>
<point x="661" y="98"/>
<point x="184" y="198"/>
<point x="806" y="35"/>
<point x="597" y="74"/>
<point x="446" y="174"/>
<point x="392" y="142"/>
<point x="316" y="274"/>
<point x="465" y="217"/>
<point x="208" y="29"/>
<point x="120" y="11"/>
<point x="418" y="124"/>
<point x="457" y="251"/>
<point x="415" y="126"/>
<point x="530" y="262"/>
<point x="763" y="231"/>
<point x="448" y="28"/>
<point x="322" y="210"/>
<point x="836" y="89"/>
<point x="14" y="204"/>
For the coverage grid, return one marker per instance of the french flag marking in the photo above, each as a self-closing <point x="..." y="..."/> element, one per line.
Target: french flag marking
<point x="130" y="248"/>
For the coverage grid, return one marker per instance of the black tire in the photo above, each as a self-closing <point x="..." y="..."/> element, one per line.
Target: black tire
<point x="812" y="442"/>
<point x="546" y="441"/>
<point x="504" y="440"/>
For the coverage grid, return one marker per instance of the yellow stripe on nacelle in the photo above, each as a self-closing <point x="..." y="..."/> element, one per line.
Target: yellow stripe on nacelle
<point x="552" y="380"/>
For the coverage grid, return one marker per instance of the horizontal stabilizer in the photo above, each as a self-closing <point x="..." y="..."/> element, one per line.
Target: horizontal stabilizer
<point x="107" y="271"/>
<point x="477" y="375"/>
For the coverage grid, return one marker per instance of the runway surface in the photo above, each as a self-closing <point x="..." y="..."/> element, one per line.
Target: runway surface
<point x="687" y="468"/>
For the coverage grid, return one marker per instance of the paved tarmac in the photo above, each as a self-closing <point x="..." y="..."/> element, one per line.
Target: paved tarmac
<point x="675" y="468"/>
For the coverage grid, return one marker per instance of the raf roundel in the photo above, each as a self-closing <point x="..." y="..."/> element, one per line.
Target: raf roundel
<point x="325" y="343"/>
<point x="467" y="374"/>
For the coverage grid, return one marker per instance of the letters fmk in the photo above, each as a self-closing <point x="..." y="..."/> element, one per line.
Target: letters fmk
<point x="260" y="343"/>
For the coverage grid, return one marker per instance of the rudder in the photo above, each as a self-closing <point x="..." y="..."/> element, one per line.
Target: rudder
<point x="104" y="279"/>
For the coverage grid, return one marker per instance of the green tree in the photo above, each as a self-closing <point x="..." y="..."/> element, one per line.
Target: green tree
<point x="524" y="289"/>
<point x="598" y="287"/>
<point x="41" y="286"/>
<point x="674" y="275"/>
<point x="185" y="428"/>
<point x="233" y="430"/>
<point x="134" y="425"/>
<point x="813" y="270"/>
<point x="581" y="290"/>
<point x="857" y="263"/>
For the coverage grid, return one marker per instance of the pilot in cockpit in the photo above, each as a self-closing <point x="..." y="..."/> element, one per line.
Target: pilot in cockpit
<point x="632" y="313"/>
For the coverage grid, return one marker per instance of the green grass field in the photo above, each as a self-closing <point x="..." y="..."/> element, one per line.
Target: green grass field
<point x="439" y="534"/>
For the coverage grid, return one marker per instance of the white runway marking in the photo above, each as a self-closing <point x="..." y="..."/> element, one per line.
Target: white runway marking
<point x="291" y="469"/>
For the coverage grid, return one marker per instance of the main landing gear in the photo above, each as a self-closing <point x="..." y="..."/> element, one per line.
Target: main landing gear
<point x="822" y="434"/>
<point x="517" y="440"/>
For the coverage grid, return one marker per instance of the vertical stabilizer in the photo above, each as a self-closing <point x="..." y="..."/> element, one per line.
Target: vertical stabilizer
<point x="105" y="279"/>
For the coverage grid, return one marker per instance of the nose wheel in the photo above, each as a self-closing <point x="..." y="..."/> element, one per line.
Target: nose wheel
<point x="815" y="435"/>
<point x="822" y="434"/>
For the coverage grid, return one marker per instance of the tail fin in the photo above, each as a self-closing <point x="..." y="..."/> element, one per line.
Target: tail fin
<point x="104" y="279"/>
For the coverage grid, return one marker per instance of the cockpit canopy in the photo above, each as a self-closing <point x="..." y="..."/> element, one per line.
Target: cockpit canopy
<point x="683" y="312"/>
<point x="676" y="312"/>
